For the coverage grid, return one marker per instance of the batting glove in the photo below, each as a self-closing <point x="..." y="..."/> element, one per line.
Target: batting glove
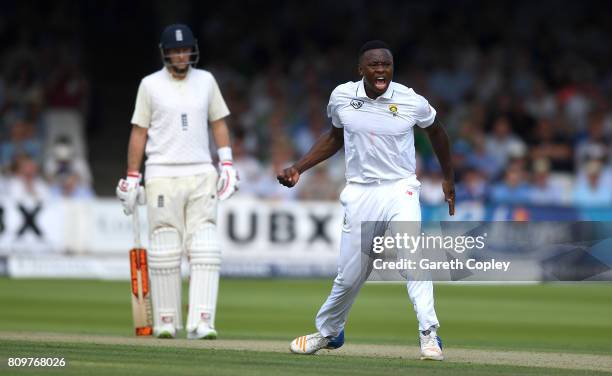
<point x="130" y="192"/>
<point x="228" y="181"/>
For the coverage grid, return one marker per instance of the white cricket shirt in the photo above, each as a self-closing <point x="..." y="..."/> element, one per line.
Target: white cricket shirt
<point x="176" y="113"/>
<point x="378" y="133"/>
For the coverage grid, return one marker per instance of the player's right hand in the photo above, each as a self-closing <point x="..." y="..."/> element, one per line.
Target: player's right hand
<point x="130" y="192"/>
<point x="448" y="187"/>
<point x="228" y="182"/>
<point x="289" y="177"/>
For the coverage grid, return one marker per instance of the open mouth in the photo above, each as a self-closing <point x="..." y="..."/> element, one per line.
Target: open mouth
<point x="380" y="83"/>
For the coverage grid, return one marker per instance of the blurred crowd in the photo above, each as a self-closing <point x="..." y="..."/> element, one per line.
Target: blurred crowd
<point x="523" y="89"/>
<point x="41" y="155"/>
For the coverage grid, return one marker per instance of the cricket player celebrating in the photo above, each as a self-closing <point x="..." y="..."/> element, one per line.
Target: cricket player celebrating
<point x="374" y="119"/>
<point x="174" y="107"/>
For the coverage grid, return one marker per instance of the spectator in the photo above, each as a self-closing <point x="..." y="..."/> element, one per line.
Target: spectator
<point x="68" y="88"/>
<point x="542" y="191"/>
<point x="307" y="133"/>
<point x="63" y="161"/>
<point x="268" y="188"/>
<point x="482" y="159"/>
<point x="576" y="105"/>
<point x="473" y="186"/>
<point x="593" y="186"/>
<point x="249" y="169"/>
<point x="461" y="153"/>
<point x="514" y="189"/>
<point x="542" y="103"/>
<point x="501" y="142"/>
<point x="69" y="185"/>
<point x="22" y="140"/>
<point x="595" y="143"/>
<point x="26" y="186"/>
<point x="431" y="193"/>
<point x="23" y="86"/>
<point x="549" y="144"/>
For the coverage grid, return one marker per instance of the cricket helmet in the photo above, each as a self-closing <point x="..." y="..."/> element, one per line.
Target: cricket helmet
<point x="178" y="36"/>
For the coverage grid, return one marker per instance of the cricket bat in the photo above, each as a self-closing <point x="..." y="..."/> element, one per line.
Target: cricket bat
<point x="139" y="270"/>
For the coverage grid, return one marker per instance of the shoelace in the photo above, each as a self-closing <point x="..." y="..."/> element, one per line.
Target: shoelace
<point x="320" y="340"/>
<point x="429" y="341"/>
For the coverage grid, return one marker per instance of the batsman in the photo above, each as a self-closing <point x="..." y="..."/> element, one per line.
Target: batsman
<point x="175" y="107"/>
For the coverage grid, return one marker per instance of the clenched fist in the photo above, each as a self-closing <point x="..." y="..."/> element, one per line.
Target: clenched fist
<point x="289" y="177"/>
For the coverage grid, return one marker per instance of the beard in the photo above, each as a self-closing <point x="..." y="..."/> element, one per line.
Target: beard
<point x="180" y="71"/>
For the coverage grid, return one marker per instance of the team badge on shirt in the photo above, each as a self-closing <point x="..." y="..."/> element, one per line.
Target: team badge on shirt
<point x="393" y="109"/>
<point x="356" y="103"/>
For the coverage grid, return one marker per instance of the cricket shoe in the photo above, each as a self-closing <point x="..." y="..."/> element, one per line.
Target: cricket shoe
<point x="165" y="331"/>
<point x="311" y="343"/>
<point x="431" y="346"/>
<point x="203" y="331"/>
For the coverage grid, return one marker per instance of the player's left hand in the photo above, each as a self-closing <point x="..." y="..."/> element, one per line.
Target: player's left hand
<point x="228" y="181"/>
<point x="449" y="195"/>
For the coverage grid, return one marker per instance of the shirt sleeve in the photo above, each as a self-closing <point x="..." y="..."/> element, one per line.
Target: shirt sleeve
<point x="142" y="110"/>
<point x="332" y="110"/>
<point x="217" y="109"/>
<point x="425" y="113"/>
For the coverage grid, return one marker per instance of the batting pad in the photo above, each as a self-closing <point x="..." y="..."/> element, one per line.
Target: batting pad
<point x="164" y="273"/>
<point x="205" y="261"/>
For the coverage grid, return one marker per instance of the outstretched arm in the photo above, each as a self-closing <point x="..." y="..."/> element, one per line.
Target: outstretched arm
<point x="326" y="146"/>
<point x="441" y="146"/>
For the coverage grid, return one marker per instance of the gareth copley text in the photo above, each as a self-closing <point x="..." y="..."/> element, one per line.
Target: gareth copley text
<point x="427" y="264"/>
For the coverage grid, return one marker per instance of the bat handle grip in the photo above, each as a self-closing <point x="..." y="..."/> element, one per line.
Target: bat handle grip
<point x="136" y="228"/>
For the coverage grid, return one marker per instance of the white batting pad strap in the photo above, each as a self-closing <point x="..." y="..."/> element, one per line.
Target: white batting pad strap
<point x="203" y="290"/>
<point x="165" y="249"/>
<point x="164" y="259"/>
<point x="166" y="296"/>
<point x="204" y="248"/>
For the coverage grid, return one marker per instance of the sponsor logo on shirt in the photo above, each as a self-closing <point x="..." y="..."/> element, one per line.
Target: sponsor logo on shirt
<point x="356" y="103"/>
<point x="184" y="123"/>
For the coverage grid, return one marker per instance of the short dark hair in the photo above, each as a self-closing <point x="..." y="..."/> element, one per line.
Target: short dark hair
<point x="373" y="45"/>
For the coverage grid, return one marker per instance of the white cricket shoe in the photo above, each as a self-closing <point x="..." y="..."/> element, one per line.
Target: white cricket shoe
<point x="308" y="344"/>
<point x="203" y="331"/>
<point x="431" y="346"/>
<point x="164" y="331"/>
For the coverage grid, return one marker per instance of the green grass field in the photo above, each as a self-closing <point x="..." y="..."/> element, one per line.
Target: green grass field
<point x="567" y="318"/>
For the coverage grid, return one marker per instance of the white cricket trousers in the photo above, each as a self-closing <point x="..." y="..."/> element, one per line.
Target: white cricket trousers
<point x="182" y="203"/>
<point x="382" y="202"/>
